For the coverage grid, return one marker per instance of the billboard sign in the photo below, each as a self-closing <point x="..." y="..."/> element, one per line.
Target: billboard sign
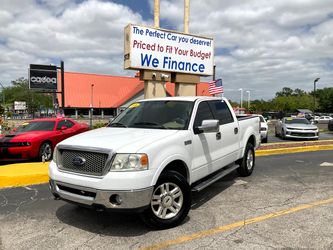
<point x="165" y="50"/>
<point x="20" y="105"/>
<point x="43" y="77"/>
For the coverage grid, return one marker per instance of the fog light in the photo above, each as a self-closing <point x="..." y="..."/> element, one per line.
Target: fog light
<point x="115" y="200"/>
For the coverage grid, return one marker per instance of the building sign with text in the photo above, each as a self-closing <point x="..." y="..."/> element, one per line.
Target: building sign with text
<point x="20" y="105"/>
<point x="164" y="50"/>
<point x="43" y="77"/>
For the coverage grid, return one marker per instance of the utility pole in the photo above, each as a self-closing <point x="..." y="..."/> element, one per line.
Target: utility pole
<point x="314" y="93"/>
<point x="62" y="68"/>
<point x="91" y="105"/>
<point x="248" y="98"/>
<point x="241" y="97"/>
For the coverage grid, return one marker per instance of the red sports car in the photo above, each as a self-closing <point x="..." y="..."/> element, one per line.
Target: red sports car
<point x="37" y="138"/>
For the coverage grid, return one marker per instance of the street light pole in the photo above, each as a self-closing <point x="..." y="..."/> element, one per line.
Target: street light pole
<point x="91" y="104"/>
<point x="241" y="97"/>
<point x="248" y="98"/>
<point x="314" y="93"/>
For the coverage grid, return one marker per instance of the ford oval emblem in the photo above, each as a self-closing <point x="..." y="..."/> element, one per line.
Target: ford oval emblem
<point x="79" y="161"/>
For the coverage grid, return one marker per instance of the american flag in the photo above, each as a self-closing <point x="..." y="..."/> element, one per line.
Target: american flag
<point x="215" y="87"/>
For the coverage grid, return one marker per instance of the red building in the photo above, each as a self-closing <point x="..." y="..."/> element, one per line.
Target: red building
<point x="106" y="94"/>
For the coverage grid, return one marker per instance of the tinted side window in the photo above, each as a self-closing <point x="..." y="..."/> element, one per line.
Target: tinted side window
<point x="221" y="112"/>
<point x="66" y="123"/>
<point x="203" y="113"/>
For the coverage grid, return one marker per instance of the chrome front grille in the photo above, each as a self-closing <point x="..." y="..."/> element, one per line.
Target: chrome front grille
<point x="95" y="162"/>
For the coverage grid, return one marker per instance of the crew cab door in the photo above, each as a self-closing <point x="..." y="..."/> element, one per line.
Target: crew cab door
<point x="212" y="151"/>
<point x="229" y="133"/>
<point x="205" y="145"/>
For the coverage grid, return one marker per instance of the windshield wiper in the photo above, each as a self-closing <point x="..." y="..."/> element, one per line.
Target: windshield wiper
<point x="148" y="124"/>
<point x="117" y="124"/>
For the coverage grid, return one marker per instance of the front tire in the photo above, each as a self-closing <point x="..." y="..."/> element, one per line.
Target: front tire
<point x="246" y="165"/>
<point x="283" y="134"/>
<point x="45" y="152"/>
<point x="170" y="202"/>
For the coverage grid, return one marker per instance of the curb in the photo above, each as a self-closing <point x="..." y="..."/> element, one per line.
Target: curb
<point x="23" y="174"/>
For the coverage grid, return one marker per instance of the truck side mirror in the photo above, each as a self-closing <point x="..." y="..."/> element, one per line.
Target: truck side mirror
<point x="209" y="126"/>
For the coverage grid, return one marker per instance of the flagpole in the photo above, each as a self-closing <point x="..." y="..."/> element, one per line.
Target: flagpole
<point x="214" y="68"/>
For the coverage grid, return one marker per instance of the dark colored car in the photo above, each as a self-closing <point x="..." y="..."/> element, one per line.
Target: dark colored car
<point x="330" y="125"/>
<point x="37" y="138"/>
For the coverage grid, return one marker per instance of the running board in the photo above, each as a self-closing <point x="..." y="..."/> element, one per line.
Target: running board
<point x="201" y="185"/>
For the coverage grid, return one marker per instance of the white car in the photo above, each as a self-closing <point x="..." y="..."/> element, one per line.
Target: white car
<point x="324" y="119"/>
<point x="299" y="128"/>
<point x="263" y="129"/>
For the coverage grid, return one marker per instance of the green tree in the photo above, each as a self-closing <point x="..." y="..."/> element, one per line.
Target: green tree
<point x="324" y="99"/>
<point x="19" y="91"/>
<point x="285" y="92"/>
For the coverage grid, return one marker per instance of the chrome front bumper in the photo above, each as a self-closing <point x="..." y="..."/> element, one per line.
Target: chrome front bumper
<point x="129" y="199"/>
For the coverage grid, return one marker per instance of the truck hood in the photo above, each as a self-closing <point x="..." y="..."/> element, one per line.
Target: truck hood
<point x="121" y="140"/>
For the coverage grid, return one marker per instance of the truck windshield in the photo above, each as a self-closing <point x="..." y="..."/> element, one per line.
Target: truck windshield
<point x="155" y="115"/>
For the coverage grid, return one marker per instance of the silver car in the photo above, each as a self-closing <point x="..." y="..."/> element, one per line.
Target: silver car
<point x="290" y="127"/>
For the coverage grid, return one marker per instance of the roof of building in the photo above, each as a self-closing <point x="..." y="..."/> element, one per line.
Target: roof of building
<point x="106" y="91"/>
<point x="304" y="110"/>
<point x="184" y="98"/>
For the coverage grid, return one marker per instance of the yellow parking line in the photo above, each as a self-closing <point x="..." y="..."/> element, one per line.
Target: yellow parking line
<point x="221" y="229"/>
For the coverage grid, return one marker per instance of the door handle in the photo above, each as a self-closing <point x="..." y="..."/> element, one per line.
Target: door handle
<point x="236" y="131"/>
<point x="218" y="135"/>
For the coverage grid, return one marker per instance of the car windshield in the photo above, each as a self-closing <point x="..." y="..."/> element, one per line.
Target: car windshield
<point x="36" y="126"/>
<point x="155" y="115"/>
<point x="296" y="120"/>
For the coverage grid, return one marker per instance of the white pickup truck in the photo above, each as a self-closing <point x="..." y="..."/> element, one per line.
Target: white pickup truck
<point x="153" y="155"/>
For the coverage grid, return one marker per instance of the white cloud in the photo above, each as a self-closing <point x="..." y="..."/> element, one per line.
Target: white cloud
<point x="261" y="45"/>
<point x="87" y="36"/>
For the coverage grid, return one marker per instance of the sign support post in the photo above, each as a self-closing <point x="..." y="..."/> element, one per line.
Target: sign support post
<point x="186" y="85"/>
<point x="153" y="87"/>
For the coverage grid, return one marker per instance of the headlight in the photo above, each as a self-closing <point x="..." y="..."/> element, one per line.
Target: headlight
<point x="55" y="154"/>
<point x="129" y="162"/>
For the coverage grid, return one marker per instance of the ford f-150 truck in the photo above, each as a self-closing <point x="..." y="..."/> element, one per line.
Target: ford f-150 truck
<point x="153" y="155"/>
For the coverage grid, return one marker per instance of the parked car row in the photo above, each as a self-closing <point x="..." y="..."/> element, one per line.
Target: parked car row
<point x="322" y="119"/>
<point x="37" y="138"/>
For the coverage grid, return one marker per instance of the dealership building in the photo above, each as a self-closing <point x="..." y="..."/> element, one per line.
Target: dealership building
<point x="107" y="95"/>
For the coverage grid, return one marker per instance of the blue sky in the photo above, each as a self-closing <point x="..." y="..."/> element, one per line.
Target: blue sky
<point x="261" y="46"/>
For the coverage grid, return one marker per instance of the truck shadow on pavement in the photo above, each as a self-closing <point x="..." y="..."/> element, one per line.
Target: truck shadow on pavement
<point x="128" y="225"/>
<point x="101" y="222"/>
<point x="200" y="198"/>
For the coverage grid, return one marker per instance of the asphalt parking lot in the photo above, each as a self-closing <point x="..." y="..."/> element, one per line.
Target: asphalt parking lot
<point x="287" y="203"/>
